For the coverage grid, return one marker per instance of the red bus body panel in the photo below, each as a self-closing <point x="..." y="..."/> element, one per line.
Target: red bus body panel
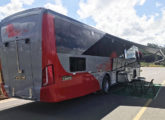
<point x="81" y="84"/>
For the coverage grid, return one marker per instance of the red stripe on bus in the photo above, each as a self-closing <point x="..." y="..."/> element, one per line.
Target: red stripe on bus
<point x="80" y="84"/>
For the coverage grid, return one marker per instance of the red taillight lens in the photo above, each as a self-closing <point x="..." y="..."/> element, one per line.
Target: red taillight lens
<point x="48" y="76"/>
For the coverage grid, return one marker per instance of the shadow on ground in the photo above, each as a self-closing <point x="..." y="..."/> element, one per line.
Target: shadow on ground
<point x="90" y="107"/>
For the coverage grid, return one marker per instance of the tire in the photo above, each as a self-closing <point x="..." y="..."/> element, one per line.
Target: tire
<point x="106" y="84"/>
<point x="134" y="74"/>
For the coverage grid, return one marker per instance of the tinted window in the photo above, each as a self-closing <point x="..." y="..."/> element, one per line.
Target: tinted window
<point x="73" y="37"/>
<point x="77" y="64"/>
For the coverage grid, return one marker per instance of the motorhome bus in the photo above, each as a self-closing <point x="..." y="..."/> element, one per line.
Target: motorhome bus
<point x="50" y="57"/>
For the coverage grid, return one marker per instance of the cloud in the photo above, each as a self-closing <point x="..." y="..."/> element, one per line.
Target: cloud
<point x="58" y="7"/>
<point x="157" y="4"/>
<point x="13" y="6"/>
<point x="141" y="2"/>
<point x="119" y="17"/>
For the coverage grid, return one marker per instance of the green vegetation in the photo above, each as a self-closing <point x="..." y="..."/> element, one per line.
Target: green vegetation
<point x="148" y="59"/>
<point x="146" y="64"/>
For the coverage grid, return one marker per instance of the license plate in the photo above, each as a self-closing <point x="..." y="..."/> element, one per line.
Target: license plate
<point x="22" y="77"/>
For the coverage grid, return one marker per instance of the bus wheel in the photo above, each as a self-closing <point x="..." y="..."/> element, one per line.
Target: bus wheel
<point x="106" y="84"/>
<point x="134" y="74"/>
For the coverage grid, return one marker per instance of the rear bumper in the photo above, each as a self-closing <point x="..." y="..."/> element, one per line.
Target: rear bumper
<point x="54" y="93"/>
<point x="57" y="93"/>
<point x="48" y="94"/>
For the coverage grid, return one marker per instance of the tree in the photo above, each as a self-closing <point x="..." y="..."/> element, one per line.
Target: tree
<point x="148" y="57"/>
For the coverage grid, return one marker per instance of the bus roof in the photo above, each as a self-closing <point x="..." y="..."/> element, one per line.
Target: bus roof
<point x="23" y="13"/>
<point x="41" y="10"/>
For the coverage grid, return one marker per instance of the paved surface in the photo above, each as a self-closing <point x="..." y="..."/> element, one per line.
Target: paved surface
<point x="12" y="102"/>
<point x="91" y="107"/>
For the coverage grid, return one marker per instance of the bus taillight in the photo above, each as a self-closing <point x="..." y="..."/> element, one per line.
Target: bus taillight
<point x="48" y="75"/>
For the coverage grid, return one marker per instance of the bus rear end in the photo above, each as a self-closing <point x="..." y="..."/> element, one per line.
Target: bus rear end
<point x="21" y="54"/>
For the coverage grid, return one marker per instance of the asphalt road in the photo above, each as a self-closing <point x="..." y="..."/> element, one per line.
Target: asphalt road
<point x="91" y="107"/>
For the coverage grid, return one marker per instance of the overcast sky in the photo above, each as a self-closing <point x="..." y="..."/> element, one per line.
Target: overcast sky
<point x="141" y="21"/>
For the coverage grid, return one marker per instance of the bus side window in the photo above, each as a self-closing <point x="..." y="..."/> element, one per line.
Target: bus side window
<point x="77" y="64"/>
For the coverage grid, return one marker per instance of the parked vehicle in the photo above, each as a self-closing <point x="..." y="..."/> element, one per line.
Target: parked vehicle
<point x="49" y="57"/>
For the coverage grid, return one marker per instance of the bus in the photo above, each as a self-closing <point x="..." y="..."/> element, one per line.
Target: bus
<point x="50" y="57"/>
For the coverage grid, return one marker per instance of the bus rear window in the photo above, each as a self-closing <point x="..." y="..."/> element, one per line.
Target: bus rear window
<point x="21" y="27"/>
<point x="77" y="64"/>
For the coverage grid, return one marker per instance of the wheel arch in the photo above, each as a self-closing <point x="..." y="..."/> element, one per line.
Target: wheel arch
<point x="109" y="76"/>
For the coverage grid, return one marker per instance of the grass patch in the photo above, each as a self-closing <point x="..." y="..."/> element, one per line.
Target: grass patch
<point x="125" y="90"/>
<point x="145" y="64"/>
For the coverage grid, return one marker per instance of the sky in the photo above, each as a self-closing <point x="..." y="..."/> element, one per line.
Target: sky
<point x="140" y="21"/>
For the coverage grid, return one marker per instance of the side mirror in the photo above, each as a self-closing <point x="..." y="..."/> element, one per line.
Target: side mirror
<point x="138" y="55"/>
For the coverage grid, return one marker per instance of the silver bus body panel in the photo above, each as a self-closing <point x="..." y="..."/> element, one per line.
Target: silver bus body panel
<point x="18" y="54"/>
